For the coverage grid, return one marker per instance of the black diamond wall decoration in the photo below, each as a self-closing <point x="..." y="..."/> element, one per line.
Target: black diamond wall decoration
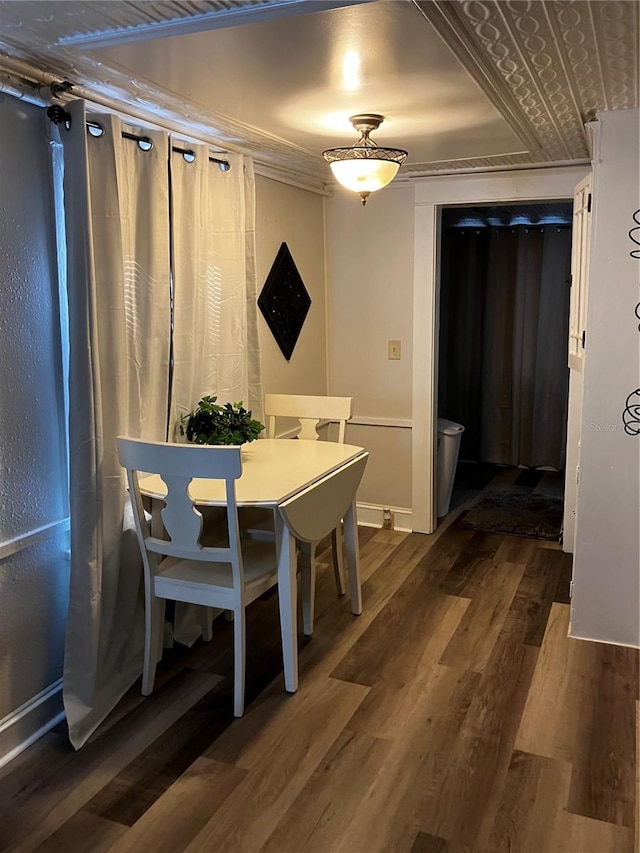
<point x="284" y="301"/>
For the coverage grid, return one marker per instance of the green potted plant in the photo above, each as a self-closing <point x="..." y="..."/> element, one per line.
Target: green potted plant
<point x="211" y="423"/>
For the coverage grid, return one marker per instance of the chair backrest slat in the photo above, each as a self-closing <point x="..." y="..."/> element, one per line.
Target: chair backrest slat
<point x="177" y="465"/>
<point x="309" y="410"/>
<point x="181" y="519"/>
<point x="181" y="460"/>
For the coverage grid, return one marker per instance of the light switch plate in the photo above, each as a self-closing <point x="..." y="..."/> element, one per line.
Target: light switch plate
<point x="394" y="350"/>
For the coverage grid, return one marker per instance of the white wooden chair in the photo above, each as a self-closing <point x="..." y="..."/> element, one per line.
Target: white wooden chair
<point x="180" y="567"/>
<point x="309" y="411"/>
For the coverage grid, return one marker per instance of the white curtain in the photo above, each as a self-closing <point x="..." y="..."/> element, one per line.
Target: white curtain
<point x="128" y="249"/>
<point x="117" y="213"/>
<point x="215" y="342"/>
<point x="215" y="335"/>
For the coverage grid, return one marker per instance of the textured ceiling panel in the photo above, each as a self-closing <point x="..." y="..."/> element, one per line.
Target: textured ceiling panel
<point x="551" y="63"/>
<point x="69" y="21"/>
<point x="101" y="17"/>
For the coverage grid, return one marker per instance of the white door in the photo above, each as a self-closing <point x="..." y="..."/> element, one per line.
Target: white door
<point x="577" y="345"/>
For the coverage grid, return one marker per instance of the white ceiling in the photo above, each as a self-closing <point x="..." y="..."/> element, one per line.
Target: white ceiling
<point x="463" y="85"/>
<point x="300" y="78"/>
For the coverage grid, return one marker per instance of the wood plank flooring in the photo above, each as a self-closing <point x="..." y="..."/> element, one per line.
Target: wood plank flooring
<point x="453" y="716"/>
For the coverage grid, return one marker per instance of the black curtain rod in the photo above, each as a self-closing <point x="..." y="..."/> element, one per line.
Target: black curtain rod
<point x="190" y="152"/>
<point x="225" y="165"/>
<point x="58" y="115"/>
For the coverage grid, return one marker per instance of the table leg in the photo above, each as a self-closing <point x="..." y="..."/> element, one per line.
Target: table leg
<point x="338" y="557"/>
<point x="307" y="564"/>
<point x="287" y="600"/>
<point x="353" y="558"/>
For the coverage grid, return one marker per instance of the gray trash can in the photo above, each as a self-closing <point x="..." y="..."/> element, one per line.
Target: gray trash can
<point x="449" y="436"/>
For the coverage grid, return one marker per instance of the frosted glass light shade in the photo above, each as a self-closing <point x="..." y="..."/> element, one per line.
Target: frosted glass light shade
<point x="365" y="167"/>
<point x="360" y="175"/>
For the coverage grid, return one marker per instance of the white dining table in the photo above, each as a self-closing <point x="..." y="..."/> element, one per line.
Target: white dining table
<point x="310" y="486"/>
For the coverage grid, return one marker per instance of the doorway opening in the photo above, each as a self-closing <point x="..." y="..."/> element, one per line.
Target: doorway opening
<point x="505" y="274"/>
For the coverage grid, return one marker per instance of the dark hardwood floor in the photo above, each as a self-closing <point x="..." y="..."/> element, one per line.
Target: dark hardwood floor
<point x="453" y="716"/>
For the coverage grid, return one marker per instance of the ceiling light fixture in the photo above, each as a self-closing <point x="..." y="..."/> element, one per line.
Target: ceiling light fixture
<point x="365" y="167"/>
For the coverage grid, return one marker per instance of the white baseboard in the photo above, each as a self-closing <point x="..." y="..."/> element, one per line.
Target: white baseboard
<point x="573" y="636"/>
<point x="30" y="721"/>
<point x="371" y="515"/>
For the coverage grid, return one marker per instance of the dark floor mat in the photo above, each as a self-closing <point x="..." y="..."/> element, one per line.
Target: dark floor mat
<point x="536" y="516"/>
<point x="529" y="477"/>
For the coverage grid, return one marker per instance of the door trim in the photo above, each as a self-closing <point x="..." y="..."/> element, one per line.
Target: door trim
<point x="430" y="195"/>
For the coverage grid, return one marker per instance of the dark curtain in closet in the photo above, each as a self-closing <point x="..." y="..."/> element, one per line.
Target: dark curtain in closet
<point x="504" y="320"/>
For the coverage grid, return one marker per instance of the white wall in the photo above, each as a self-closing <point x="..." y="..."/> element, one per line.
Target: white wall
<point x="381" y="284"/>
<point x="34" y="572"/>
<point x="606" y="600"/>
<point x="285" y="214"/>
<point x="370" y="297"/>
<point x="574" y="431"/>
